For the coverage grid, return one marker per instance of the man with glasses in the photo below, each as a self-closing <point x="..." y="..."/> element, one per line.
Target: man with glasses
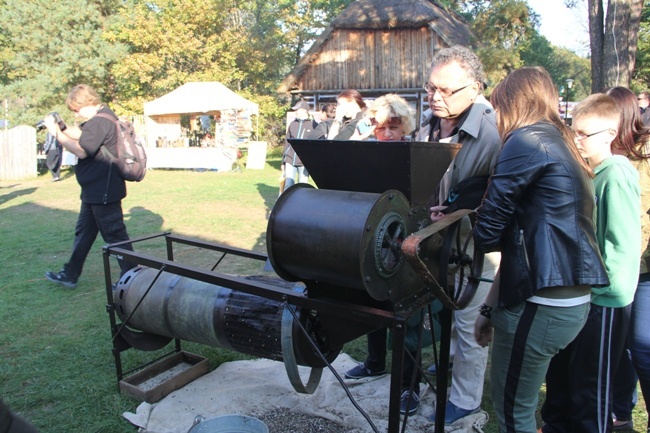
<point x="461" y="114"/>
<point x="644" y="101"/>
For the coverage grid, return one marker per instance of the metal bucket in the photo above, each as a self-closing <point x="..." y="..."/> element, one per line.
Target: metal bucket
<point x="228" y="424"/>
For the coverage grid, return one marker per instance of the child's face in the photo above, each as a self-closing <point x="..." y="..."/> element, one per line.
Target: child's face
<point x="593" y="137"/>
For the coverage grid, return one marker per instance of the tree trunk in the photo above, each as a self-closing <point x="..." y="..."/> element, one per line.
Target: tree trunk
<point x="596" y="43"/>
<point x="613" y="46"/>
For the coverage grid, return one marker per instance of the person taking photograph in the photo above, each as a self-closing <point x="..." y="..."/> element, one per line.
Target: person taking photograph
<point x="102" y="187"/>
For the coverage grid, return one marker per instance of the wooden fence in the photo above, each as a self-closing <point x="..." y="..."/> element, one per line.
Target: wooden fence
<point x="18" y="153"/>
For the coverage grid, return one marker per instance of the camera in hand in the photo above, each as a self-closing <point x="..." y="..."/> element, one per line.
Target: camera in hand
<point x="57" y="118"/>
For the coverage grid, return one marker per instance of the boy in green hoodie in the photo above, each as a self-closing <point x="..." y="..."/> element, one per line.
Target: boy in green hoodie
<point x="579" y="378"/>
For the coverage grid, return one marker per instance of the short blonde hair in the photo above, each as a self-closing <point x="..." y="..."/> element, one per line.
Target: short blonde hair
<point x="598" y="105"/>
<point x="392" y="105"/>
<point x="82" y="95"/>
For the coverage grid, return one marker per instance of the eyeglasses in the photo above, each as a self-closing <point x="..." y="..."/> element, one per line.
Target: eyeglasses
<point x="445" y="93"/>
<point x="580" y="136"/>
<point x="392" y="121"/>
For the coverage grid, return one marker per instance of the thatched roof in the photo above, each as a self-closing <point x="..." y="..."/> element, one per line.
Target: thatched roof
<point x="387" y="15"/>
<point x="392" y="14"/>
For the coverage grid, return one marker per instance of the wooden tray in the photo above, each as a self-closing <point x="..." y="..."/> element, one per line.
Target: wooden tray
<point x="165" y="376"/>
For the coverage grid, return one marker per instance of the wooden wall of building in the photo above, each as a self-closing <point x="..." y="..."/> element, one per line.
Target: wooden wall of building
<point x="373" y="59"/>
<point x="18" y="153"/>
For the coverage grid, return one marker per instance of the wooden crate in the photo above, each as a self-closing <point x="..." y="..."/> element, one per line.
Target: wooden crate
<point x="165" y="376"/>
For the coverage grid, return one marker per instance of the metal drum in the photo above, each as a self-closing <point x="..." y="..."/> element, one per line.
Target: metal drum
<point x="191" y="310"/>
<point x="343" y="238"/>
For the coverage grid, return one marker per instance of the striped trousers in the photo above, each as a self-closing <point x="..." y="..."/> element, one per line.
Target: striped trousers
<point x="580" y="378"/>
<point x="526" y="337"/>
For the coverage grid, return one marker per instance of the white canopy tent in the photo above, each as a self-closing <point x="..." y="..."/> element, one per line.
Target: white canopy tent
<point x="162" y="115"/>
<point x="163" y="121"/>
<point x="199" y="98"/>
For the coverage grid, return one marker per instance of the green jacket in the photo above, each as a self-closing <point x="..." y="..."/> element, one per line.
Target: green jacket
<point x="618" y="230"/>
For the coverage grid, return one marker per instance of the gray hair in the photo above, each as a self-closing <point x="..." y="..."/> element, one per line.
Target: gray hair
<point x="392" y="105"/>
<point x="465" y="57"/>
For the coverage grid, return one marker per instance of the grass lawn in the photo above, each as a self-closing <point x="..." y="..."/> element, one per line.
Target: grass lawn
<point x="56" y="366"/>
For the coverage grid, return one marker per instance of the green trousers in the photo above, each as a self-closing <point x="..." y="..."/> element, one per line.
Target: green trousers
<point x="526" y="337"/>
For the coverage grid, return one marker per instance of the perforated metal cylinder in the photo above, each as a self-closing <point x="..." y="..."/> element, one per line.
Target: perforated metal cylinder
<point x="192" y="310"/>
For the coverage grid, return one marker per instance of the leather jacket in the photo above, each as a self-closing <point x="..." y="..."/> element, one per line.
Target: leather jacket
<point x="538" y="211"/>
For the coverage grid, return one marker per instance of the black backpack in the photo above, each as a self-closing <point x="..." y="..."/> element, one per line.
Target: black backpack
<point x="131" y="158"/>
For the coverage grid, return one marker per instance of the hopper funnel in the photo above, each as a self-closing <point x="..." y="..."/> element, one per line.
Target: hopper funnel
<point x="412" y="167"/>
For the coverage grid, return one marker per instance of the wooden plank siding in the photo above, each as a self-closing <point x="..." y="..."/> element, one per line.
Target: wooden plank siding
<point x="375" y="62"/>
<point x="372" y="59"/>
<point x="18" y="153"/>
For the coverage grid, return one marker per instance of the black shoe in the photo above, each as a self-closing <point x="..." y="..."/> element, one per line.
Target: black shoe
<point x="361" y="371"/>
<point x="61" y="278"/>
<point x="623" y="426"/>
<point x="409" y="402"/>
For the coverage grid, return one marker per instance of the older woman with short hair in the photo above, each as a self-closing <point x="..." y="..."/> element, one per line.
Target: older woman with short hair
<point x="391" y="118"/>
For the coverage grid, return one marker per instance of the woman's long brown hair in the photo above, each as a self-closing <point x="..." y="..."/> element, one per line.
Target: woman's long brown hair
<point x="528" y="96"/>
<point x="352" y="96"/>
<point x="633" y="136"/>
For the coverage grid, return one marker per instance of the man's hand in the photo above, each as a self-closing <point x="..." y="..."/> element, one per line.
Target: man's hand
<point x="437" y="212"/>
<point x="483" y="330"/>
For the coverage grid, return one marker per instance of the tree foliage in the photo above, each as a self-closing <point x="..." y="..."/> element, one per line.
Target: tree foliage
<point x="506" y="38"/>
<point x="171" y="42"/>
<point x="502" y="28"/>
<point x="133" y="51"/>
<point x="49" y="46"/>
<point x="246" y="45"/>
<point x="136" y="50"/>
<point x="641" y="77"/>
<point x="561" y="64"/>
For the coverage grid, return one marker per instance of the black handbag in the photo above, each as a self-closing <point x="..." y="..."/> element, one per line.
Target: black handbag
<point x="468" y="194"/>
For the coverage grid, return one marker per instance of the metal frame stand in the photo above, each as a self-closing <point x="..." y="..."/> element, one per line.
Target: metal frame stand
<point x="393" y="320"/>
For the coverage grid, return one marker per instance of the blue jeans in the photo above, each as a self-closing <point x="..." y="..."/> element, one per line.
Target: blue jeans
<point x="290" y="174"/>
<point x="526" y="337"/>
<point x="639" y="337"/>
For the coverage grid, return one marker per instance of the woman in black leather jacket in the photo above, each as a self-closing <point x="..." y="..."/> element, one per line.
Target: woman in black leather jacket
<point x="538" y="211"/>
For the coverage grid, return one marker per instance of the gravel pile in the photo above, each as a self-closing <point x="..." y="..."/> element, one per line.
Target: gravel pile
<point x="285" y="421"/>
